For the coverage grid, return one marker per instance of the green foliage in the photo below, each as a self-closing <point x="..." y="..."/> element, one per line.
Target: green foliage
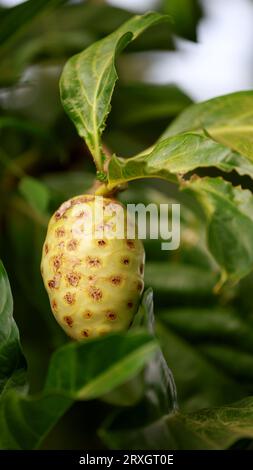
<point x="185" y="15"/>
<point x="35" y="193"/>
<point x="230" y="224"/>
<point x="141" y="103"/>
<point x="227" y="119"/>
<point x="12" y="359"/>
<point x="16" y="17"/>
<point x="210" y="429"/>
<point x="88" y="80"/>
<point x="207" y="347"/>
<point x="202" y="291"/>
<point x="177" y="156"/>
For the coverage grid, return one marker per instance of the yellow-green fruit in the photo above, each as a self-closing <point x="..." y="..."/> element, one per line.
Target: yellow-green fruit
<point x="94" y="284"/>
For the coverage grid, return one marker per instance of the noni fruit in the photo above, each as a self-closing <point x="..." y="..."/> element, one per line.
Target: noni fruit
<point x="94" y="282"/>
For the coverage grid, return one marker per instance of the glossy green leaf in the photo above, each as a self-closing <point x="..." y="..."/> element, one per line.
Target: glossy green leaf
<point x="88" y="80"/>
<point x="208" y="429"/>
<point x="123" y="356"/>
<point x="12" y="362"/>
<point x="31" y="417"/>
<point x="228" y="119"/>
<point x="230" y="223"/>
<point x="176" y="156"/>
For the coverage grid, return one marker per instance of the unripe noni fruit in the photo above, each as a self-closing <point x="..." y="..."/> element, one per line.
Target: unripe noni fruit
<point x="94" y="284"/>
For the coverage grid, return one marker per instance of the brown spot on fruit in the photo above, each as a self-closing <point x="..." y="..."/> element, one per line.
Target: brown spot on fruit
<point x="69" y="320"/>
<point x="91" y="278"/>
<point x="130" y="304"/>
<point x="70" y="298"/>
<point x="85" y="333"/>
<point x="87" y="314"/>
<point x="54" y="305"/>
<point x="111" y="315"/>
<point x="73" y="278"/>
<point x="130" y="244"/>
<point x="57" y="262"/>
<point x="55" y="282"/>
<point x="93" y="262"/>
<point x="61" y="211"/>
<point x="125" y="261"/>
<point x="72" y="245"/>
<point x="141" y="268"/>
<point x="46" y="248"/>
<point x="101" y="242"/>
<point x="60" y="232"/>
<point x="95" y="293"/>
<point x="52" y="284"/>
<point x="116" y="280"/>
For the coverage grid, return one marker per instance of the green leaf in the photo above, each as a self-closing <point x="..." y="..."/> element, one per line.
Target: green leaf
<point x="178" y="279"/>
<point x="123" y="356"/>
<point x="228" y="119"/>
<point x="88" y="80"/>
<point x="12" y="362"/>
<point x="230" y="223"/>
<point x="228" y="210"/>
<point x="174" y="157"/>
<point x="185" y="15"/>
<point x="208" y="429"/>
<point x="187" y="337"/>
<point x="78" y="26"/>
<point x="190" y="337"/>
<point x="35" y="193"/>
<point x="31" y="417"/>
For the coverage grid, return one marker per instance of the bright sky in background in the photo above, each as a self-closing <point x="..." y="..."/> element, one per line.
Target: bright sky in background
<point x="135" y="5"/>
<point x="222" y="60"/>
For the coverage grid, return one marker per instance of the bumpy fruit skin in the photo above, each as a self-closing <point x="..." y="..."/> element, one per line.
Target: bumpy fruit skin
<point x="94" y="285"/>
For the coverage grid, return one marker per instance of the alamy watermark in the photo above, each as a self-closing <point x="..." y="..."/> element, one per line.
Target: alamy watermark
<point x="112" y="220"/>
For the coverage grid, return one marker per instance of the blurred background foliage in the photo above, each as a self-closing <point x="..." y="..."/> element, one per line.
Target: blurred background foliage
<point x="207" y="339"/>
